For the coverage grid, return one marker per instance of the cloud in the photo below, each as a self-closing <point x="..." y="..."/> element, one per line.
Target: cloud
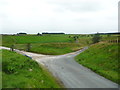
<point x="79" y="7"/>
<point x="70" y="16"/>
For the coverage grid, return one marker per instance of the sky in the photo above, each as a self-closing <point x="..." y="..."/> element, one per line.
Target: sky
<point x="68" y="16"/>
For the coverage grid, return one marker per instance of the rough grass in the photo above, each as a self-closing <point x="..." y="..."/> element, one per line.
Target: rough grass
<point x="48" y="44"/>
<point x="9" y="39"/>
<point x="35" y="39"/>
<point x="51" y="49"/>
<point x="109" y="37"/>
<point x="103" y="59"/>
<point x="0" y="69"/>
<point x="19" y="71"/>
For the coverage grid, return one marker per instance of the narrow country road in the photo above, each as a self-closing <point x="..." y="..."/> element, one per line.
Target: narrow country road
<point x="72" y="74"/>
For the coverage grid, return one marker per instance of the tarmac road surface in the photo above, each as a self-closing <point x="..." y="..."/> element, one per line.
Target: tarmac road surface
<point x="70" y="73"/>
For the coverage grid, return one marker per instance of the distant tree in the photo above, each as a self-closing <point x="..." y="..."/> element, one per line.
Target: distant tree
<point x="21" y="33"/>
<point x="92" y="35"/>
<point x="38" y="34"/>
<point x="96" y="38"/>
<point x="75" y="38"/>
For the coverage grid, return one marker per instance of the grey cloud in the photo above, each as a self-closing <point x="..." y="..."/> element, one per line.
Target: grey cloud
<point x="51" y="16"/>
<point x="78" y="7"/>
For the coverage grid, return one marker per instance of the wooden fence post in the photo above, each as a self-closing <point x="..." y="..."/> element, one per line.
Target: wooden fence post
<point x="117" y="40"/>
<point x="28" y="47"/>
<point x="12" y="48"/>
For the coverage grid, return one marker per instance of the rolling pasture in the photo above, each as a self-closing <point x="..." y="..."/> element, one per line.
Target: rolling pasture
<point x="101" y="57"/>
<point x="47" y="44"/>
<point x="35" y="39"/>
<point x="52" y="44"/>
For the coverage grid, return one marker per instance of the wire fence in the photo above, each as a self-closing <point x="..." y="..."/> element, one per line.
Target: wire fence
<point x="114" y="41"/>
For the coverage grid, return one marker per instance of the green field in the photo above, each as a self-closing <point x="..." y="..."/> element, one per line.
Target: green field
<point x="0" y="69"/>
<point x="19" y="71"/>
<point x="9" y="39"/>
<point x="103" y="59"/>
<point x="47" y="44"/>
<point x="35" y="39"/>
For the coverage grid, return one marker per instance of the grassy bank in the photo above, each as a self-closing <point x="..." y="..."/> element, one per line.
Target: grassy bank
<point x="103" y="59"/>
<point x="55" y="48"/>
<point x="19" y="71"/>
<point x="48" y="44"/>
<point x="50" y="49"/>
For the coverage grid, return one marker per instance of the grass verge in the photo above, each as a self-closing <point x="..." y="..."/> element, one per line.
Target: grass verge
<point x="50" y="48"/>
<point x="19" y="71"/>
<point x="55" y="48"/>
<point x="102" y="58"/>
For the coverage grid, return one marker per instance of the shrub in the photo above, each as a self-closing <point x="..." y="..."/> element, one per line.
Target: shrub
<point x="96" y="38"/>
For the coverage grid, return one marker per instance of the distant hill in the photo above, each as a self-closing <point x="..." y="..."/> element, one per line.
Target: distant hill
<point x="110" y="33"/>
<point x="52" y="33"/>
